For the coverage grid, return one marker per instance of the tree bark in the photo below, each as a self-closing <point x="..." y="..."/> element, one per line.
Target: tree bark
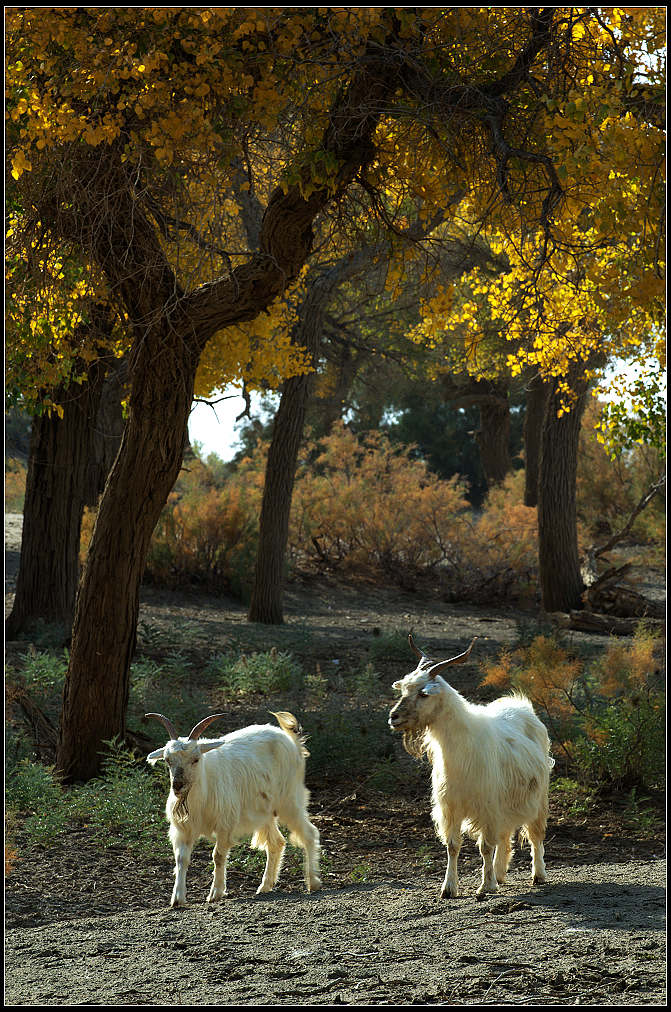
<point x="103" y="636"/>
<point x="56" y="492"/>
<point x="107" y="431"/>
<point x="536" y="398"/>
<point x="558" y="559"/>
<point x="493" y="438"/>
<point x="266" y="603"/>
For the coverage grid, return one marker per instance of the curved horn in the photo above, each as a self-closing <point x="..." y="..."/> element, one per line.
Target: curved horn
<point x="414" y="649"/>
<point x="201" y="725"/>
<point x="459" y="659"/>
<point x="168" y="724"/>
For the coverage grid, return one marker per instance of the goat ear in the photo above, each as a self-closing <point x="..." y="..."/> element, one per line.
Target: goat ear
<point x="430" y="689"/>
<point x="154" y="756"/>
<point x="207" y="745"/>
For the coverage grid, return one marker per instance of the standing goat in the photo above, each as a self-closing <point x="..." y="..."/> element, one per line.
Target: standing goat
<point x="241" y="784"/>
<point x="491" y="768"/>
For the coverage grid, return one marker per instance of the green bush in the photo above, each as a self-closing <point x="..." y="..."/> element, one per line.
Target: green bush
<point x="125" y="804"/>
<point x="33" y="792"/>
<point x="269" y="672"/>
<point x="624" y="743"/>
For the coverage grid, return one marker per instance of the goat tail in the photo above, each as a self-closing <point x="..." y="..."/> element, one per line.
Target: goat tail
<point x="290" y="726"/>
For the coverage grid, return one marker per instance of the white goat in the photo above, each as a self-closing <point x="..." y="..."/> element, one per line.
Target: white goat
<point x="230" y="787"/>
<point x="491" y="768"/>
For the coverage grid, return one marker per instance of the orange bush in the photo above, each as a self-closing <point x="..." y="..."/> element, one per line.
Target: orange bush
<point x="208" y="535"/>
<point x="607" y="717"/>
<point x="608" y="490"/>
<point x="500" y="551"/>
<point x="364" y="505"/>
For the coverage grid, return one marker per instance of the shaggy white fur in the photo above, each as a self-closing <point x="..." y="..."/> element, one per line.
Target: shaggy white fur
<point x="245" y="783"/>
<point x="490" y="770"/>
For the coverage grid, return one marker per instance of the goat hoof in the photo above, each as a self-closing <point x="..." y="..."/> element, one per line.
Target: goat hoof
<point x="213" y="897"/>
<point x="315" y="885"/>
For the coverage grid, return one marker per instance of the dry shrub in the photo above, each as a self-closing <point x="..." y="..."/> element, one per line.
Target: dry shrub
<point x="361" y="507"/>
<point x="15" y="485"/>
<point x="364" y="506"/>
<point x="608" y="490"/>
<point x="606" y="717"/>
<point x="498" y="556"/>
<point x="208" y="535"/>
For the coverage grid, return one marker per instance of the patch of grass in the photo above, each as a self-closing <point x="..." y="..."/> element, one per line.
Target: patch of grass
<point x="124" y="806"/>
<point x="267" y="673"/>
<point x="574" y="798"/>
<point x="346" y="741"/>
<point x="641" y="815"/>
<point x="33" y="793"/>
<point x="366" y="682"/>
<point x="317" y="685"/>
<point x="360" y="872"/>
<point x="391" y="646"/>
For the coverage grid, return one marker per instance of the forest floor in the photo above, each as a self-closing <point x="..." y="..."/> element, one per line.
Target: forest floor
<point x="86" y="925"/>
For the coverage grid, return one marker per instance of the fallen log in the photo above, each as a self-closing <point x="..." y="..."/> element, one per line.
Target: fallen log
<point x="41" y="729"/>
<point x="605" y="625"/>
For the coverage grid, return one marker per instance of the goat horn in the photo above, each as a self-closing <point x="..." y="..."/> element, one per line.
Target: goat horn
<point x="168" y="724"/>
<point x="201" y="725"/>
<point x="459" y="659"/>
<point x="419" y="653"/>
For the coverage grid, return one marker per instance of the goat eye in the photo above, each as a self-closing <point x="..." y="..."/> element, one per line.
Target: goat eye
<point x="194" y="761"/>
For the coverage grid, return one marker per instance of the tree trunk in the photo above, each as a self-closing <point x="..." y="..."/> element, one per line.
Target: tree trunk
<point x="56" y="491"/>
<point x="558" y="560"/>
<point x="103" y="636"/>
<point x="266" y="602"/>
<point x="493" y="438"/>
<point x="536" y="397"/>
<point x="107" y="431"/>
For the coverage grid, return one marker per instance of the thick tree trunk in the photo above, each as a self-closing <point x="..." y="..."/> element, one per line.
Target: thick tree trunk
<point x="56" y="492"/>
<point x="558" y="559"/>
<point x="266" y="602"/>
<point x="103" y="638"/>
<point x="536" y="397"/>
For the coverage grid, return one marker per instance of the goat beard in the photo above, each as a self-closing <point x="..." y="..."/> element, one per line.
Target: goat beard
<point x="414" y="743"/>
<point x="181" y="809"/>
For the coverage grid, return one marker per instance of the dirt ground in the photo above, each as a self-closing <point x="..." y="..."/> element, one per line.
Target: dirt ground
<point x="93" y="927"/>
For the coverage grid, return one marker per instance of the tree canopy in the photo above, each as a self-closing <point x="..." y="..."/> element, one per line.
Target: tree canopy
<point x="539" y="129"/>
